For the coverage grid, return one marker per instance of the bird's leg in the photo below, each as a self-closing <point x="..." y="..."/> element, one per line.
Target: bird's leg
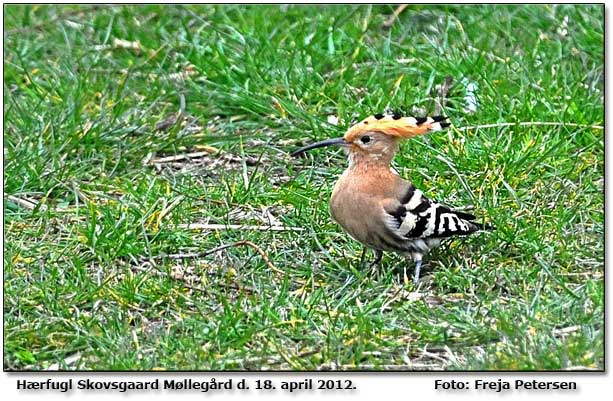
<point x="364" y="250"/>
<point x="417" y="270"/>
<point x="378" y="257"/>
<point x="375" y="272"/>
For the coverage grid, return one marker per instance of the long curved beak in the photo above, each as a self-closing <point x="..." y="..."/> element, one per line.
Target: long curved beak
<point x="334" y="141"/>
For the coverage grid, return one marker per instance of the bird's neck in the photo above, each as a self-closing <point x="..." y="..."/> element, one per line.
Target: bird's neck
<point x="362" y="163"/>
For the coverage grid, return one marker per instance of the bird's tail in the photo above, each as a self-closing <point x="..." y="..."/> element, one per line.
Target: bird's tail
<point x="484" y="226"/>
<point x="471" y="218"/>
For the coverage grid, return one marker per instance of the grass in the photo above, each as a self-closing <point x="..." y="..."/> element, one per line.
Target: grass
<point x="85" y="88"/>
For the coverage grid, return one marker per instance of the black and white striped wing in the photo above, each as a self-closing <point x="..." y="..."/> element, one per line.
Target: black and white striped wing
<point x="417" y="217"/>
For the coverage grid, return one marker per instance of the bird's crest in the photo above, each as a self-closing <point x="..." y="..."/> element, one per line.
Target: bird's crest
<point x="396" y="124"/>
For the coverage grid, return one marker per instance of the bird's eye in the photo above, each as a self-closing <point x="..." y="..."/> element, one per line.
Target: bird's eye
<point x="365" y="139"/>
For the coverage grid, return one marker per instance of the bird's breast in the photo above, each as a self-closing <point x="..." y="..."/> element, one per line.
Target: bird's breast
<point x="356" y="209"/>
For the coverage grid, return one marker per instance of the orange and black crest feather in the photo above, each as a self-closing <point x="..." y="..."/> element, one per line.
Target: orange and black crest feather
<point x="397" y="125"/>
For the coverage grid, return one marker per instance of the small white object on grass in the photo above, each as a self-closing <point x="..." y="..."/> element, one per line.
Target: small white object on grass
<point x="470" y="99"/>
<point x="332" y="119"/>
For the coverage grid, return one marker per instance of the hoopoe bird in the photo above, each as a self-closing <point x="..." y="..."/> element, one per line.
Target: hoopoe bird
<point x="376" y="206"/>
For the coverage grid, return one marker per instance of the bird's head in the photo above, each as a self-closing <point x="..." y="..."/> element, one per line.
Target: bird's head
<point x="376" y="137"/>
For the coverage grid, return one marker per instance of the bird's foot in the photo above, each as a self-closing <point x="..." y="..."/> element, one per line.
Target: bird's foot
<point x="417" y="271"/>
<point x="372" y="266"/>
<point x="405" y="277"/>
<point x="377" y="261"/>
<point x="374" y="263"/>
<point x="363" y="256"/>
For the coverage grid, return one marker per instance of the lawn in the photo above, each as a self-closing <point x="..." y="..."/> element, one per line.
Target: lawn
<point x="137" y="138"/>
